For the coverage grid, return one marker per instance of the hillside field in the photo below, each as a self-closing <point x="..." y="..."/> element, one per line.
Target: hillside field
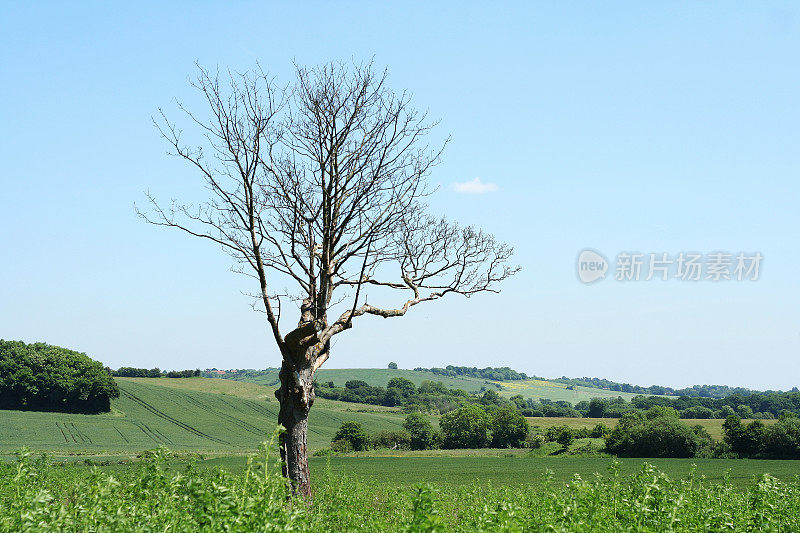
<point x="528" y="388"/>
<point x="180" y="414"/>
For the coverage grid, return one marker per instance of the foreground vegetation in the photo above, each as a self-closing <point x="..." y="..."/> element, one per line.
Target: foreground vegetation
<point x="152" y="496"/>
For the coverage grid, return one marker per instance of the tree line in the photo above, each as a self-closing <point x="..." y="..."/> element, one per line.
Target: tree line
<point x="41" y="377"/>
<point x="130" y="372"/>
<point x="701" y="391"/>
<point x="496" y="374"/>
<point x="469" y="426"/>
<point x="435" y="397"/>
<point x="657" y="432"/>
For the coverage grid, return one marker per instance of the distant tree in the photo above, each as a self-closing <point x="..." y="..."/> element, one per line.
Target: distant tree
<point x="423" y="436"/>
<point x="725" y="411"/>
<point x="490" y="397"/>
<point x="698" y="411"/>
<point x="393" y="366"/>
<point x="465" y="427"/>
<point x="659" y="434"/>
<point x="405" y="386"/>
<point x="519" y="401"/>
<point x="394" y="440"/>
<point x="782" y="439"/>
<point x="597" y="408"/>
<point x="744" y="411"/>
<point x="744" y="440"/>
<point x="564" y="435"/>
<point x="354" y="434"/>
<point x="509" y="428"/>
<point x="392" y="398"/>
<point x="659" y="411"/>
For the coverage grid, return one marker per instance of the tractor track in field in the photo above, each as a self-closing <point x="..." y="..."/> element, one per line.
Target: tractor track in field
<point x="84" y="437"/>
<point x="225" y="416"/>
<point x="63" y="432"/>
<point x="121" y="435"/>
<point x="170" y="419"/>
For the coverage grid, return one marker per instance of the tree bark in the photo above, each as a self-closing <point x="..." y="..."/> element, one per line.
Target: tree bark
<point x="296" y="395"/>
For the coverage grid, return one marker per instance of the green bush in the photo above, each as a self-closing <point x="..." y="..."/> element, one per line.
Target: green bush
<point x="40" y="377"/>
<point x="352" y="433"/>
<point x="659" y="434"/>
<point x="465" y="427"/>
<point x="423" y="436"/>
<point x="564" y="435"/>
<point x="509" y="428"/>
<point x="394" y="440"/>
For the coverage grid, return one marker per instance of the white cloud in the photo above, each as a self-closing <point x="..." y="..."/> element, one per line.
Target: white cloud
<point x="475" y="187"/>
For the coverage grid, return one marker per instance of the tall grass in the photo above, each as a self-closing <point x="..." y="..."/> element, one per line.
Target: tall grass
<point x="152" y="496"/>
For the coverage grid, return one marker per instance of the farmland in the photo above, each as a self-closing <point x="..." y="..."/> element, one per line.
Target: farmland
<point x="529" y="388"/>
<point x="180" y="415"/>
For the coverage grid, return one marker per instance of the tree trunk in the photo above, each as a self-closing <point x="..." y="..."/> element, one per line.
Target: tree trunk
<point x="295" y="403"/>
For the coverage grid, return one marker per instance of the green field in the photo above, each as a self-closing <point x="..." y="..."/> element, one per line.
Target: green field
<point x="179" y="414"/>
<point x="529" y="388"/>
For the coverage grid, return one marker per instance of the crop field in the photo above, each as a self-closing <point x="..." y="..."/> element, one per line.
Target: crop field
<point x="182" y="418"/>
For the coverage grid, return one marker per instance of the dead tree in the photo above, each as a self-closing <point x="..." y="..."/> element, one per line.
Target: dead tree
<point x="319" y="186"/>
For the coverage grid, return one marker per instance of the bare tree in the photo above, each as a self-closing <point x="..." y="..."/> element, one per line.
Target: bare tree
<point x="320" y="186"/>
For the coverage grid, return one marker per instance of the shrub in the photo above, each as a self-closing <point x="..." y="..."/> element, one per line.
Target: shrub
<point x="354" y="434"/>
<point x="421" y="432"/>
<point x="564" y="435"/>
<point x="654" y="436"/>
<point x="698" y="411"/>
<point x="394" y="440"/>
<point x="341" y="446"/>
<point x="509" y="428"/>
<point x="535" y="441"/>
<point x="465" y="427"/>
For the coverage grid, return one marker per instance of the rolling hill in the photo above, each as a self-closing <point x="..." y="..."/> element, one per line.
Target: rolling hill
<point x="181" y="414"/>
<point x="528" y="388"/>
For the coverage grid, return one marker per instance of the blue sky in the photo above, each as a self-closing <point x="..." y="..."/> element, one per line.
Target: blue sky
<point x="644" y="127"/>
